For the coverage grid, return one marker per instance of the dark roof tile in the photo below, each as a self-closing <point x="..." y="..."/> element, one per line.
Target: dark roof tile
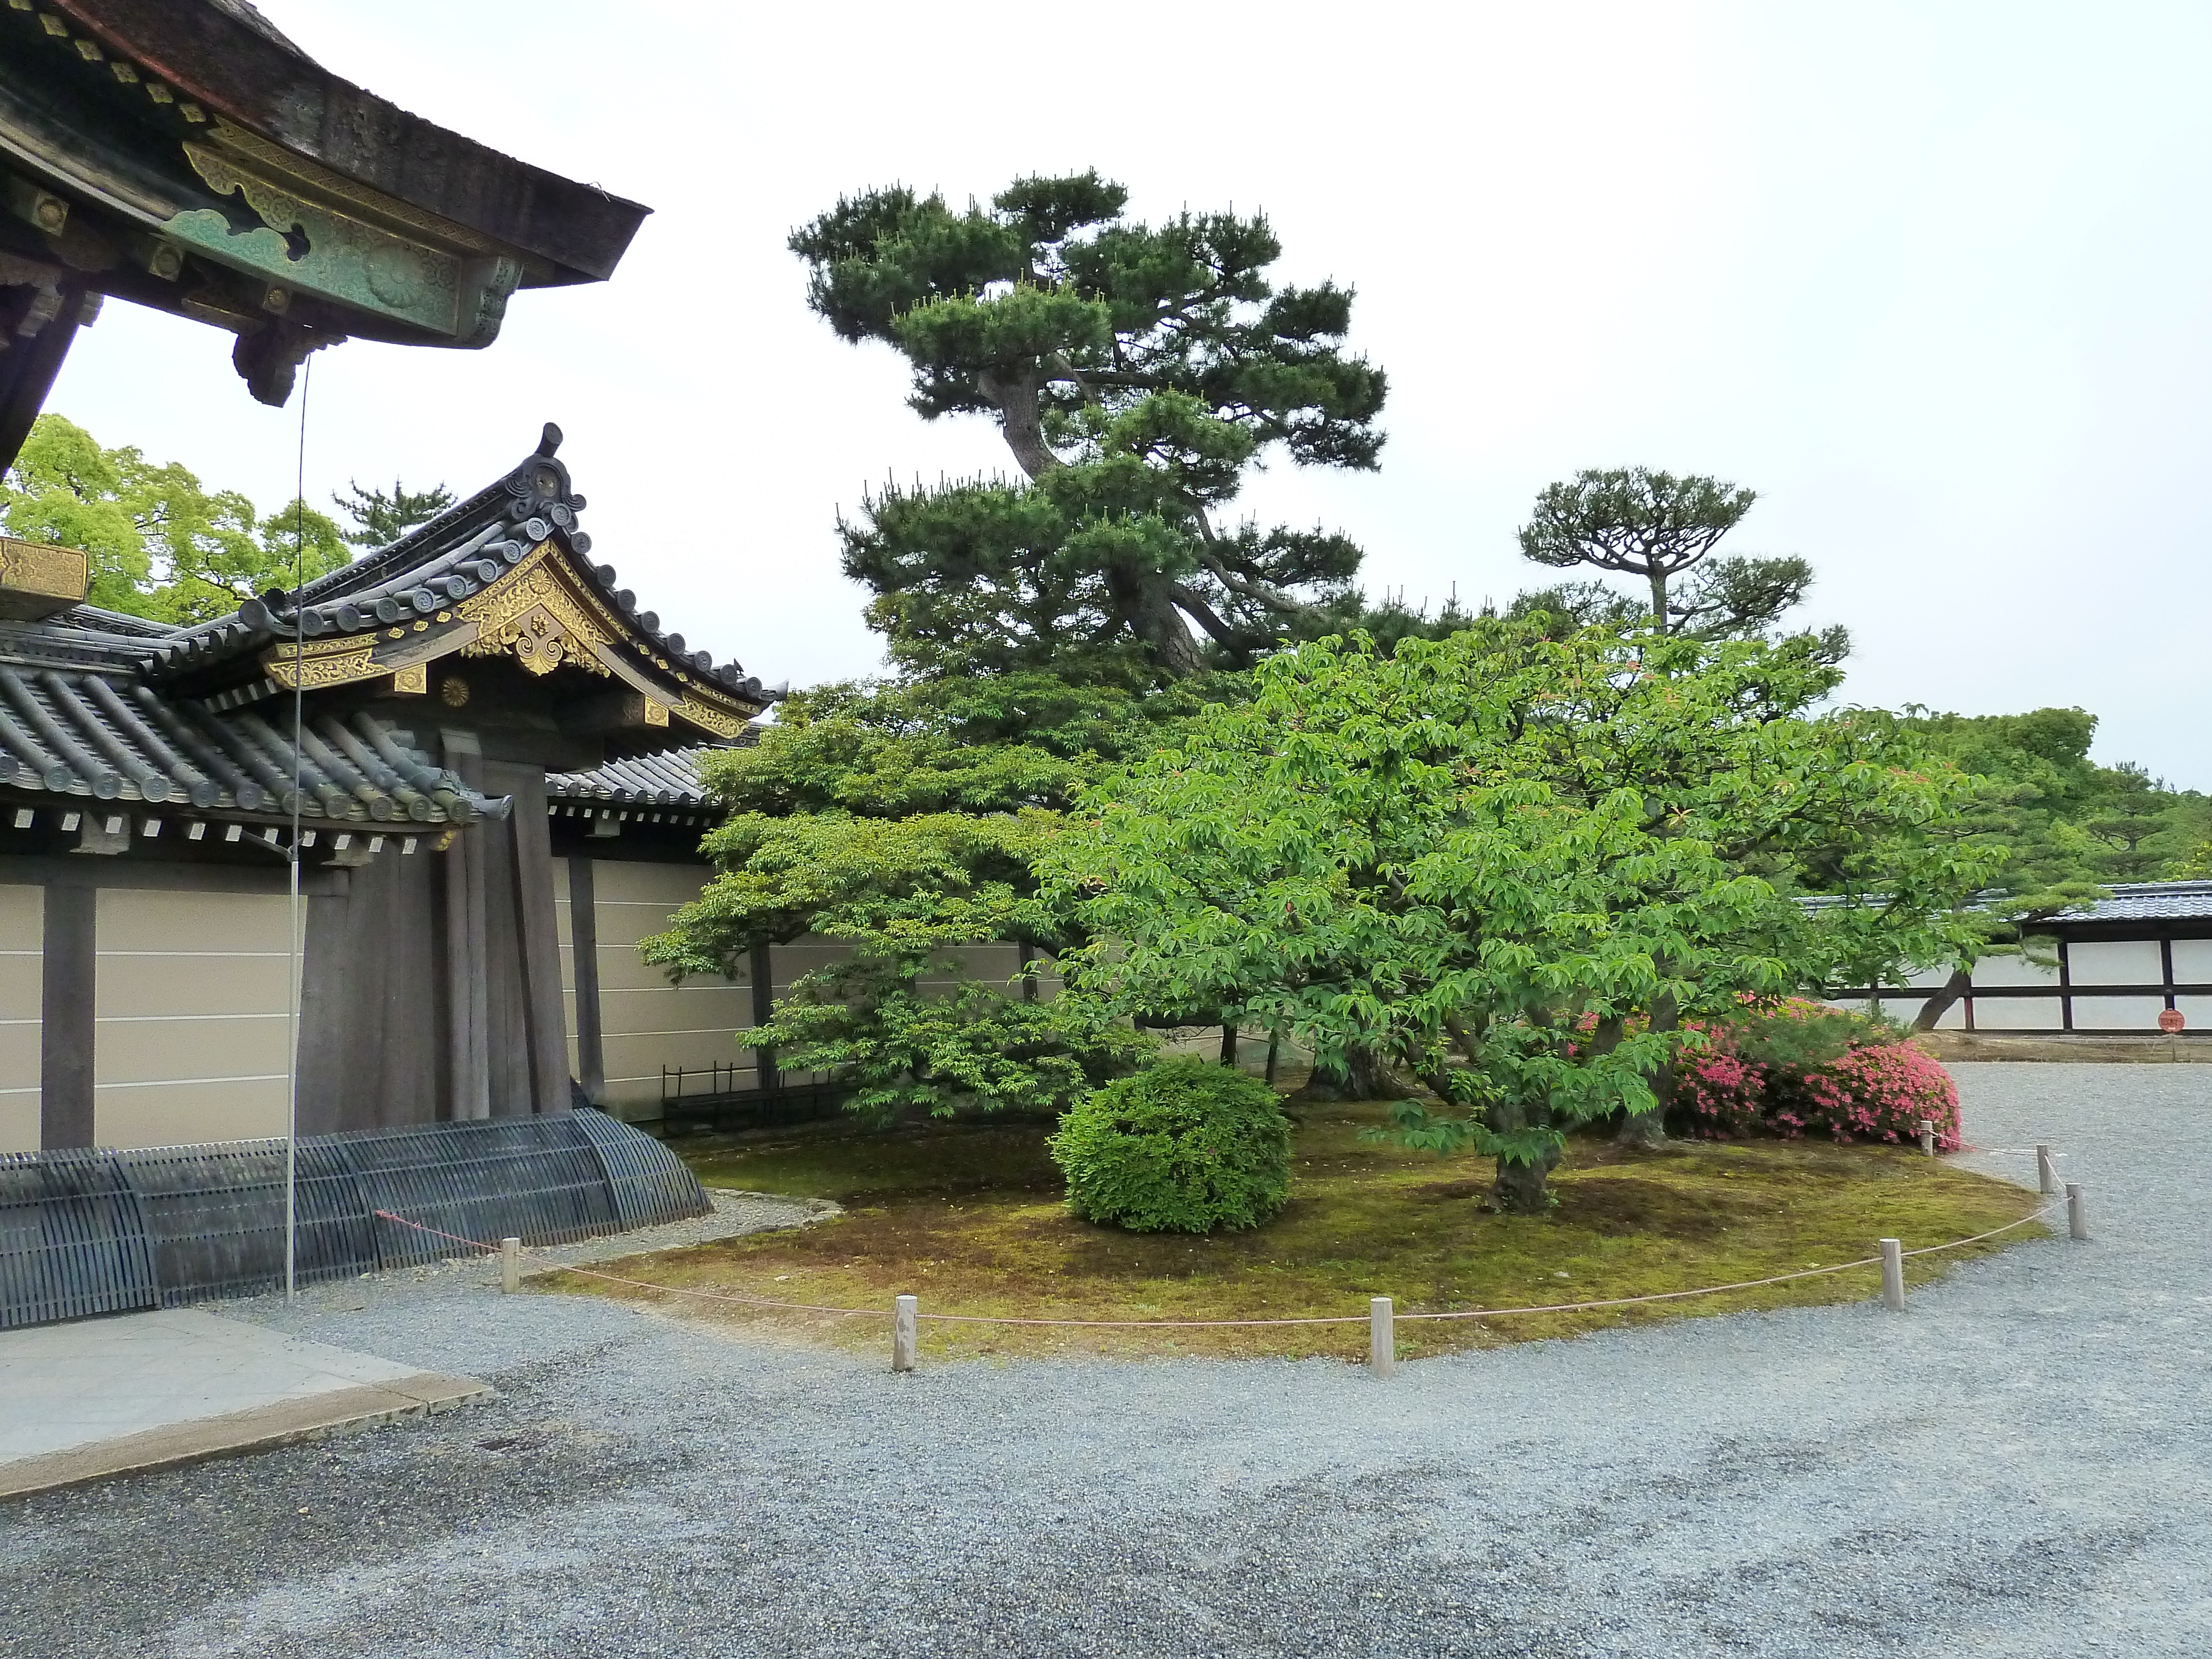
<point x="110" y="736"/>
<point x="668" y="778"/>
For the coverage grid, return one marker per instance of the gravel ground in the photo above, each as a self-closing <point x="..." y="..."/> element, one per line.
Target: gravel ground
<point x="2016" y="1466"/>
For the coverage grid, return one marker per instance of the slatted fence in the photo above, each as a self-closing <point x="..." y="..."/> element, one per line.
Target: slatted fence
<point x="88" y="1232"/>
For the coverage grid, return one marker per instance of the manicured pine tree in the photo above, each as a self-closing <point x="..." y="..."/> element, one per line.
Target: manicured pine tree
<point x="1637" y="522"/>
<point x="1136" y="371"/>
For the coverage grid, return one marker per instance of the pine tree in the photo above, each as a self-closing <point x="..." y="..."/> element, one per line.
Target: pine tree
<point x="1637" y="522"/>
<point x="1136" y="372"/>
<point x="380" y="519"/>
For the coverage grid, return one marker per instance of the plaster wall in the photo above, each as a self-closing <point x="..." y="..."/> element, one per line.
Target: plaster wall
<point x="191" y="1016"/>
<point x="646" y="1023"/>
<point x="22" y="953"/>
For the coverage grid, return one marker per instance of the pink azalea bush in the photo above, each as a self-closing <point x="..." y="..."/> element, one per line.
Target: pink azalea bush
<point x="1799" y="1068"/>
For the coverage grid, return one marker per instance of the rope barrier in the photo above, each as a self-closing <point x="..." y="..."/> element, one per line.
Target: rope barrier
<point x="2032" y="1215"/>
<point x="1221" y="1324"/>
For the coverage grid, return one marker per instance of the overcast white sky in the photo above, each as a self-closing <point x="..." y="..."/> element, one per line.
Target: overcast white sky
<point x="1933" y="279"/>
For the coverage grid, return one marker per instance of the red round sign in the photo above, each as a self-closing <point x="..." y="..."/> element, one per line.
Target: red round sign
<point x="2170" y="1020"/>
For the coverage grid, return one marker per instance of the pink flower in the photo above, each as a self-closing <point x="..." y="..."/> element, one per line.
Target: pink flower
<point x="1876" y="1090"/>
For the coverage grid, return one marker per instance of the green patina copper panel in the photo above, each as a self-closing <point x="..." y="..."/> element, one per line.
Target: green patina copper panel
<point x="305" y="246"/>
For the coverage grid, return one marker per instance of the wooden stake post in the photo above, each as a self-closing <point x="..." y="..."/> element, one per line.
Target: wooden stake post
<point x="1382" y="1337"/>
<point x="905" y="1318"/>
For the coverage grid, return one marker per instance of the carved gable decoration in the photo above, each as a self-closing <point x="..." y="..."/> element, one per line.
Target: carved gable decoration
<point x="505" y="574"/>
<point x="543" y="620"/>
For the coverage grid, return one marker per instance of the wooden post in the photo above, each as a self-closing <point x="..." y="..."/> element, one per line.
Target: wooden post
<point x="584" y="954"/>
<point x="2077" y="1215"/>
<point x="468" y="1006"/>
<point x="760" y="967"/>
<point x="1382" y="1338"/>
<point x="544" y="1059"/>
<point x="1928" y="1136"/>
<point x="510" y="1265"/>
<point x="1892" y="1274"/>
<point x="68" y="994"/>
<point x="904" y="1314"/>
<point x="2047" y="1171"/>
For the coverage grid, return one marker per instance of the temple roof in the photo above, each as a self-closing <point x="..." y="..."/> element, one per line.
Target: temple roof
<point x="504" y="573"/>
<point x="227" y="60"/>
<point x="2145" y="901"/>
<point x="96" y="703"/>
<point x="184" y="155"/>
<point x="664" y="780"/>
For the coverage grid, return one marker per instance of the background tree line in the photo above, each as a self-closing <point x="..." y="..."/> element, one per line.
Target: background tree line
<point x="163" y="546"/>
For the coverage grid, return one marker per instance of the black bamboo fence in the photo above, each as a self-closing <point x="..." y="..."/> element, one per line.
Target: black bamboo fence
<point x="85" y="1232"/>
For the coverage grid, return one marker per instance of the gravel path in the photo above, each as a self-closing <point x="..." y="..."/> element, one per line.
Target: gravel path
<point x="2017" y="1467"/>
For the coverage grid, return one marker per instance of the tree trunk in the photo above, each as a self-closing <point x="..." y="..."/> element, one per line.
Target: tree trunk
<point x="1649" y="1129"/>
<point x="1366" y="1076"/>
<point x="1961" y="981"/>
<point x="1021" y="420"/>
<point x="1520" y="1188"/>
<point x="1659" y="598"/>
<point x="1229" y="1045"/>
<point x="1159" y="624"/>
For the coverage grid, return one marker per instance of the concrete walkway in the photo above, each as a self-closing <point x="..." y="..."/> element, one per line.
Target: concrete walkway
<point x="98" y="1397"/>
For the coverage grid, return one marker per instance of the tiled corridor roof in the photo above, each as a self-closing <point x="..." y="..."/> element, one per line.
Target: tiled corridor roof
<point x="666" y="780"/>
<point x="112" y="737"/>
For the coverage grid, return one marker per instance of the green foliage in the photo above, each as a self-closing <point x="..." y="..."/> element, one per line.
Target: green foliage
<point x="382" y="516"/>
<point x="2071" y="826"/>
<point x="1182" y="1147"/>
<point x="1801" y="1035"/>
<point x="1136" y="372"/>
<point x="906" y="1047"/>
<point x="1655" y="525"/>
<point x="902" y="821"/>
<point x="160" y="545"/>
<point x="898" y="1018"/>
<point x="1464" y="852"/>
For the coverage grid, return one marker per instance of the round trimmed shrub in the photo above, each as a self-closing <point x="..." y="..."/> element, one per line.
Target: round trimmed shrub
<point x="1185" y="1147"/>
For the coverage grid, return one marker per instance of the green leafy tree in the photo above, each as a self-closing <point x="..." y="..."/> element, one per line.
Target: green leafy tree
<point x="382" y="516"/>
<point x="158" y="544"/>
<point x="1637" y="522"/>
<point x="1136" y="372"/>
<point x="902" y="821"/>
<point x="1501" y="858"/>
<point x="1041" y="626"/>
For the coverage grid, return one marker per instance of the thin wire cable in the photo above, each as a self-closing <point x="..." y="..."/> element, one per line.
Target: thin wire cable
<point x="292" y="910"/>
